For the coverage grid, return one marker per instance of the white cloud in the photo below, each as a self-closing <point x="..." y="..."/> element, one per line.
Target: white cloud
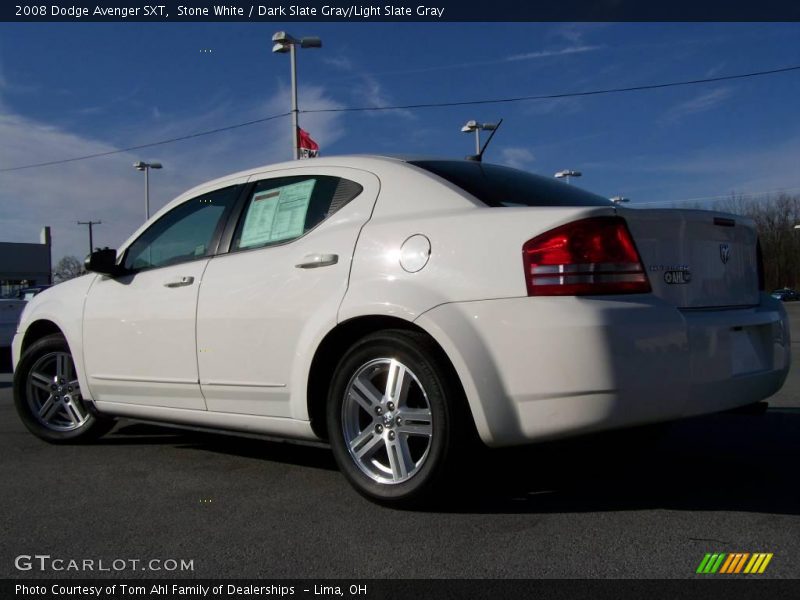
<point x="368" y="92"/>
<point x="562" y="106"/>
<point x="549" y="53"/>
<point x="340" y="62"/>
<point x="371" y="93"/>
<point x="526" y="56"/>
<point x="516" y="157"/>
<point x="574" y="33"/>
<point x="710" y="171"/>
<point x="110" y="190"/>
<point x="101" y="189"/>
<point x="702" y="102"/>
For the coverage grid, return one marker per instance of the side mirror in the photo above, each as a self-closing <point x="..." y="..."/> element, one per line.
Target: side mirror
<point x="103" y="261"/>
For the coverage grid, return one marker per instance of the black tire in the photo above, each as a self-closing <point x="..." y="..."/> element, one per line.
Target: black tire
<point x="66" y="418"/>
<point x="448" y="418"/>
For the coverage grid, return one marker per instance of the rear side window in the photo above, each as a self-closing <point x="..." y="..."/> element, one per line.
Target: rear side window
<point x="282" y="209"/>
<point x="503" y="186"/>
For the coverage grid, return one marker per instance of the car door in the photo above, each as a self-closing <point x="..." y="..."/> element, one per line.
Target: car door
<point x="139" y="338"/>
<point x="264" y="304"/>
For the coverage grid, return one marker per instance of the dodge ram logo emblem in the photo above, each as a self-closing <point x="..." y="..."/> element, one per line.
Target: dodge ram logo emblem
<point x="724" y="253"/>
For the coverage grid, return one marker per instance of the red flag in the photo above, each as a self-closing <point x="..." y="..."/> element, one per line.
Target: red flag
<point x="308" y="147"/>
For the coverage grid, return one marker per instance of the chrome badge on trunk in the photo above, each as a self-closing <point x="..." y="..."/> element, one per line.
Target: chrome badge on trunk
<point x="724" y="253"/>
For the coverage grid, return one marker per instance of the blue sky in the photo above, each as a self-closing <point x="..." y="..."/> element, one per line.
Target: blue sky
<point x="74" y="89"/>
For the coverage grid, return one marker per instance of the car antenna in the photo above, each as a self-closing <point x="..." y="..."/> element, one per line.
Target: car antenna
<point x="479" y="157"/>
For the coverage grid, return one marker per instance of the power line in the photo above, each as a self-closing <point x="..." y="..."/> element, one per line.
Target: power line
<point x="148" y="145"/>
<point x="637" y="88"/>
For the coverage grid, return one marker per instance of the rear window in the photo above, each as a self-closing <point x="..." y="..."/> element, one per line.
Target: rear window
<point x="503" y="186"/>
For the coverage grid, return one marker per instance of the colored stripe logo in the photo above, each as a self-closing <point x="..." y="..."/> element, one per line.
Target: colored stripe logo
<point x="734" y="563"/>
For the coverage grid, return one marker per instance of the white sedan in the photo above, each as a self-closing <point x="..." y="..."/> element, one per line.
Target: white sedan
<point x="399" y="308"/>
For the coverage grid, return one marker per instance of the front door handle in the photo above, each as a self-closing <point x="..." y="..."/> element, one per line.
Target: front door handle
<point x="179" y="281"/>
<point x="312" y="261"/>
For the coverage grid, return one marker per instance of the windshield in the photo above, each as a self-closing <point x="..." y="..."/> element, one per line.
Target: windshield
<point x="503" y="186"/>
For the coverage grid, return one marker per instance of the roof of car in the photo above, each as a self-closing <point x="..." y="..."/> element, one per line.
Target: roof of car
<point x="362" y="161"/>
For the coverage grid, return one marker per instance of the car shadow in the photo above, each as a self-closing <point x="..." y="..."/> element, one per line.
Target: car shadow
<point x="232" y="444"/>
<point x="728" y="461"/>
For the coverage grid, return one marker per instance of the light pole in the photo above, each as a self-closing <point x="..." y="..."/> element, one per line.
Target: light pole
<point x="567" y="173"/>
<point x="91" y="239"/>
<point x="144" y="166"/>
<point x="286" y="43"/>
<point x="472" y="125"/>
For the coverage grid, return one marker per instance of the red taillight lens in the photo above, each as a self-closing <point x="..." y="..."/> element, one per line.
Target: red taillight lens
<point x="592" y="256"/>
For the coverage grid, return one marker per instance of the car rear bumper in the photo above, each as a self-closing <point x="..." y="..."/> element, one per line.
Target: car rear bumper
<point x="543" y="368"/>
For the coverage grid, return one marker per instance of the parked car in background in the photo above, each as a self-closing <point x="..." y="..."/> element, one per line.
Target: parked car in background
<point x="786" y="295"/>
<point x="29" y="292"/>
<point x="10" y="310"/>
<point x="399" y="308"/>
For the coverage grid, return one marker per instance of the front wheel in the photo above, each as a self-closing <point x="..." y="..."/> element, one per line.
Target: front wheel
<point x="47" y="395"/>
<point x="393" y="417"/>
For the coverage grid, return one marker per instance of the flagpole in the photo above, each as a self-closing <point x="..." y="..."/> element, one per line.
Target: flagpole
<point x="295" y="124"/>
<point x="283" y="42"/>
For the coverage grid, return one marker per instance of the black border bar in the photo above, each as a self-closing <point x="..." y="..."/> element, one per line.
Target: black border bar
<point x="707" y="588"/>
<point x="402" y="10"/>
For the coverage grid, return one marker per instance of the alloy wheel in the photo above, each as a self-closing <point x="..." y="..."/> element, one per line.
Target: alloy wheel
<point x="54" y="394"/>
<point x="387" y="421"/>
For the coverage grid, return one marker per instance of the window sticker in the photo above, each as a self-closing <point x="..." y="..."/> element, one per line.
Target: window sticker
<point x="277" y="214"/>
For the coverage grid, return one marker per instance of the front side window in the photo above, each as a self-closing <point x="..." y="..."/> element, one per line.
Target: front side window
<point x="284" y="208"/>
<point x="185" y="233"/>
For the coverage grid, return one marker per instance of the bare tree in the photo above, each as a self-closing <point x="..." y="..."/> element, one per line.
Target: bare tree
<point x="775" y="218"/>
<point x="67" y="268"/>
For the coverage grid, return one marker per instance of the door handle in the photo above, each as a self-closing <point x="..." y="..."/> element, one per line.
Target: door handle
<point x="312" y="261"/>
<point x="179" y="281"/>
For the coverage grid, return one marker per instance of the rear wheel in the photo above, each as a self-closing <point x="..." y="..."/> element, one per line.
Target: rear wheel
<point x="392" y="417"/>
<point x="47" y="395"/>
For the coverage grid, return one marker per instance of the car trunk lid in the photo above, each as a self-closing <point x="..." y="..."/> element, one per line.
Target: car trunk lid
<point x="697" y="258"/>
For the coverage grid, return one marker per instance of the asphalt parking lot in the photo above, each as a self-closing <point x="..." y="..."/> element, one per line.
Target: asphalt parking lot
<point x="617" y="505"/>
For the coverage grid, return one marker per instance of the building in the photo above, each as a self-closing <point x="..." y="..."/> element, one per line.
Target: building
<point x="23" y="265"/>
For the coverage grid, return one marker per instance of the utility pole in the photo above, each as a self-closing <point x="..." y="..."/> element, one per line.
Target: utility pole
<point x="91" y="239"/>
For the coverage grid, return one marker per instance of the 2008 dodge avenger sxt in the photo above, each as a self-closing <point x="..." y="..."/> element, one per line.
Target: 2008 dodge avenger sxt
<point x="396" y="307"/>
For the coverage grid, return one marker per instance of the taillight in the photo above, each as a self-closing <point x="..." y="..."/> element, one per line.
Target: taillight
<point x="591" y="256"/>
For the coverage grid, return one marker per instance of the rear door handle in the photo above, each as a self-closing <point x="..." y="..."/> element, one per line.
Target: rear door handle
<point x="312" y="261"/>
<point x="179" y="281"/>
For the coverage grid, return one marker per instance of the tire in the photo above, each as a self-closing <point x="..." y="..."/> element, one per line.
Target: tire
<point x="47" y="395"/>
<point x="395" y="446"/>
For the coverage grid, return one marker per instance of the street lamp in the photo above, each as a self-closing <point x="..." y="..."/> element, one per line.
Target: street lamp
<point x="567" y="173"/>
<point x="286" y="43"/>
<point x="143" y="166"/>
<point x="471" y="126"/>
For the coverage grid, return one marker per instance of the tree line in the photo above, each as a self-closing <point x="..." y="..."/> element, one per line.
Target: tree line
<point x="775" y="218"/>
